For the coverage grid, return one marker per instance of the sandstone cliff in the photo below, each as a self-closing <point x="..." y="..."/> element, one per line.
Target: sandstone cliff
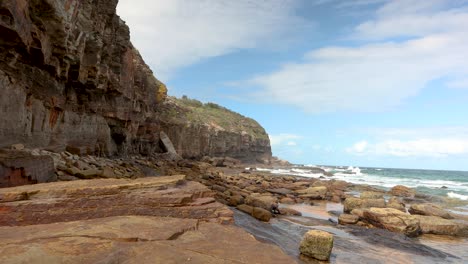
<point x="198" y="130"/>
<point x="70" y="78"/>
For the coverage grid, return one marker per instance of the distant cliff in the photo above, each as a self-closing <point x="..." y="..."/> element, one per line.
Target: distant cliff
<point x="70" y="78"/>
<point x="198" y="130"/>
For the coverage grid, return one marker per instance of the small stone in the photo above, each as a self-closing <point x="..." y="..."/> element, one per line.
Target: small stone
<point x="17" y="147"/>
<point x="348" y="219"/>
<point x="317" y="244"/>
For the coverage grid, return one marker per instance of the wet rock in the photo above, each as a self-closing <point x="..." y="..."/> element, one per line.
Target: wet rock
<point x="289" y="211"/>
<point x="261" y="214"/>
<point x="402" y="191"/>
<point x="393" y="220"/>
<point x="429" y="210"/>
<point x="317" y="244"/>
<point x="245" y="208"/>
<point x="348" y="219"/>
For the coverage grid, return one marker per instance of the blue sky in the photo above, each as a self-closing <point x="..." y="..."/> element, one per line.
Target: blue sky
<point x="365" y="82"/>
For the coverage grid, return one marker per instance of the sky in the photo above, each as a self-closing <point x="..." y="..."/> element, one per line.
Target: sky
<point x="365" y="83"/>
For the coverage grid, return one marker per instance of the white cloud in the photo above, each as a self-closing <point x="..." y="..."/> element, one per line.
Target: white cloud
<point x="429" y="147"/>
<point x="172" y="34"/>
<point x="359" y="147"/>
<point x="413" y="142"/>
<point x="379" y="75"/>
<point x="284" y="139"/>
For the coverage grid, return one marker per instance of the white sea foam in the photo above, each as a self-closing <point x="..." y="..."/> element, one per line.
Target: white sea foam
<point x="354" y="175"/>
<point x="457" y="196"/>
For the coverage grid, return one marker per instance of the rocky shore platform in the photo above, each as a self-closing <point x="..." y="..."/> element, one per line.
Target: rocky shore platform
<point x="124" y="210"/>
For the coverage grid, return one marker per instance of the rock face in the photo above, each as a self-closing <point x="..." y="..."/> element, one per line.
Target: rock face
<point x="71" y="79"/>
<point x="317" y="244"/>
<point x="80" y="200"/>
<point x="19" y="168"/>
<point x="134" y="239"/>
<point x="198" y="130"/>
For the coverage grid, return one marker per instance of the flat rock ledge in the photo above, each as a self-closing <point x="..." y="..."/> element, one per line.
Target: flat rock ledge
<point x="148" y="220"/>
<point x="170" y="196"/>
<point x="134" y="239"/>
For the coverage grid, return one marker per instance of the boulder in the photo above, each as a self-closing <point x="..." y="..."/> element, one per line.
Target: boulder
<point x="287" y="200"/>
<point x="348" y="219"/>
<point x="317" y="244"/>
<point x="266" y="202"/>
<point x="289" y="211"/>
<point x="245" y="208"/>
<point x="371" y="195"/>
<point x="429" y="210"/>
<point x="352" y="203"/>
<point x="393" y="220"/>
<point x="261" y="214"/>
<point x="396" y="203"/>
<point x="440" y="226"/>
<point x="402" y="191"/>
<point x="89" y="174"/>
<point x="235" y="200"/>
<point x="315" y="193"/>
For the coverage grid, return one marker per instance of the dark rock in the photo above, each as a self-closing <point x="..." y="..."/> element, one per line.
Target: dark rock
<point x="19" y="168"/>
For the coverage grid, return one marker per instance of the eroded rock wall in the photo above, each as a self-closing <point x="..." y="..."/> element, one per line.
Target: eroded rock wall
<point x="195" y="141"/>
<point x="69" y="76"/>
<point x="71" y="79"/>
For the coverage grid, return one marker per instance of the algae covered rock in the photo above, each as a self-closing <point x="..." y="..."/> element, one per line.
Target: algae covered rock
<point x="317" y="244"/>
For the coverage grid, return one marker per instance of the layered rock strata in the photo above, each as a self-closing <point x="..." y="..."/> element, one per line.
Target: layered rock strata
<point x="88" y="199"/>
<point x="71" y="79"/>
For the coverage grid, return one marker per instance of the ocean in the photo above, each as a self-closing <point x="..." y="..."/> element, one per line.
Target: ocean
<point x="452" y="185"/>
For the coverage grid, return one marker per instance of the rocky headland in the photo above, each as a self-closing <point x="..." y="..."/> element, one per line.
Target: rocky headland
<point x="99" y="165"/>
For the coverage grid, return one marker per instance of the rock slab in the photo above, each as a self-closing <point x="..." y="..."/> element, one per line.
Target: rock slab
<point x="317" y="244"/>
<point x="134" y="239"/>
<point x="170" y="196"/>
